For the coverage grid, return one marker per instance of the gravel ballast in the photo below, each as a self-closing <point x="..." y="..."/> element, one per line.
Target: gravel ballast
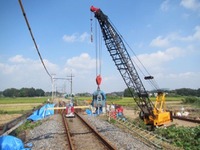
<point x="119" y="138"/>
<point x="51" y="135"/>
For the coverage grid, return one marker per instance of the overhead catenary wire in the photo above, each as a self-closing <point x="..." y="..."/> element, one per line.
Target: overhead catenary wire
<point x="29" y="28"/>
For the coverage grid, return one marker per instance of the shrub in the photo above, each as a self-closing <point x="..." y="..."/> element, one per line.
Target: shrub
<point x="184" y="137"/>
<point x="191" y="100"/>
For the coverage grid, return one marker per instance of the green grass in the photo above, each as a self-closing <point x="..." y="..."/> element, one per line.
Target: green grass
<point x="17" y="108"/>
<point x="83" y="98"/>
<point x="20" y="105"/>
<point x="26" y="126"/>
<point x="20" y="100"/>
<point x="128" y="101"/>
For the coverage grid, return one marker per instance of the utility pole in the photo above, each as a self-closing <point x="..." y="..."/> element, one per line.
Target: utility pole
<point x="52" y="83"/>
<point x="71" y="81"/>
<point x="69" y="78"/>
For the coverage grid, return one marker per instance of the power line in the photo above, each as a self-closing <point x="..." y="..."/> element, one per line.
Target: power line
<point x="29" y="28"/>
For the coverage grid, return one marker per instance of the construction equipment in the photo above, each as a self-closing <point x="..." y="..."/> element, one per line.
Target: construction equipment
<point x="153" y="115"/>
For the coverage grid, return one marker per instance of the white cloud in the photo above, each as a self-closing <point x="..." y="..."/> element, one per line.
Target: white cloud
<point x="190" y="38"/>
<point x="154" y="61"/>
<point x="191" y="4"/>
<point x="32" y="74"/>
<point x="185" y="15"/>
<point x="166" y="41"/>
<point x="165" y="5"/>
<point x="195" y="36"/>
<point x="19" y="72"/>
<point x="70" y="38"/>
<point x="179" y="80"/>
<point x="82" y="62"/>
<point x="8" y="69"/>
<point x="76" y="37"/>
<point x="160" y="42"/>
<point x="18" y="62"/>
<point x="83" y="37"/>
<point x="18" y="59"/>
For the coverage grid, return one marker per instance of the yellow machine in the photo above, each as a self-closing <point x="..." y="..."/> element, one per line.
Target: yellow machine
<point x="161" y="116"/>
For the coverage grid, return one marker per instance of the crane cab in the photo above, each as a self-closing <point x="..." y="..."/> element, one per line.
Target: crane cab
<point x="159" y="114"/>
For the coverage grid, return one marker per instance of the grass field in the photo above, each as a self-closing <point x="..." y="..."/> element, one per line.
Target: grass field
<point x="20" y="100"/>
<point x="23" y="104"/>
<point x="20" y="105"/>
<point x="128" y="101"/>
<point x="17" y="108"/>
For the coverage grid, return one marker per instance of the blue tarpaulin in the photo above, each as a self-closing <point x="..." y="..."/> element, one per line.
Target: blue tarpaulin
<point x="89" y="112"/>
<point x="9" y="142"/>
<point x="42" y="112"/>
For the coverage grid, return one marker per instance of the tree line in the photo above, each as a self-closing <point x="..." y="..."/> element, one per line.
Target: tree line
<point x="186" y="92"/>
<point x="23" y="92"/>
<point x="176" y="92"/>
<point x="32" y="92"/>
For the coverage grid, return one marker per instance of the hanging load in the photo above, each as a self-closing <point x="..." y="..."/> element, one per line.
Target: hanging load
<point x="99" y="101"/>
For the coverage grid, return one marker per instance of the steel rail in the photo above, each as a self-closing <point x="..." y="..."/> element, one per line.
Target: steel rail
<point x="70" y="143"/>
<point x="186" y="119"/>
<point x="103" y="140"/>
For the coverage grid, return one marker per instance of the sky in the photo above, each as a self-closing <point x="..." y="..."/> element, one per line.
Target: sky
<point x="164" y="35"/>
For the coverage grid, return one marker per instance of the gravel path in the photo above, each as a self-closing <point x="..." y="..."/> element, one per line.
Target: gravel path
<point x="119" y="138"/>
<point x="51" y="135"/>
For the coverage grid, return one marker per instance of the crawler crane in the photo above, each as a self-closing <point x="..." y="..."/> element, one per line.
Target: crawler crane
<point x="153" y="115"/>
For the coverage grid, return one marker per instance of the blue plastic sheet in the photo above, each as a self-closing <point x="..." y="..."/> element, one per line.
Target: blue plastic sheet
<point x="89" y="112"/>
<point x="9" y="142"/>
<point x="42" y="112"/>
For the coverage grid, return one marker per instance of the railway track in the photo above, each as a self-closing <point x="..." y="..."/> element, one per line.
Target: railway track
<point x="81" y="135"/>
<point x="186" y="119"/>
<point x="77" y="135"/>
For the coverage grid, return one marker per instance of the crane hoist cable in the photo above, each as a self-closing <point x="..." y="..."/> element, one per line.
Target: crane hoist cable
<point x="152" y="81"/>
<point x="29" y="28"/>
<point x="91" y="31"/>
<point x="98" y="50"/>
<point x="98" y="45"/>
